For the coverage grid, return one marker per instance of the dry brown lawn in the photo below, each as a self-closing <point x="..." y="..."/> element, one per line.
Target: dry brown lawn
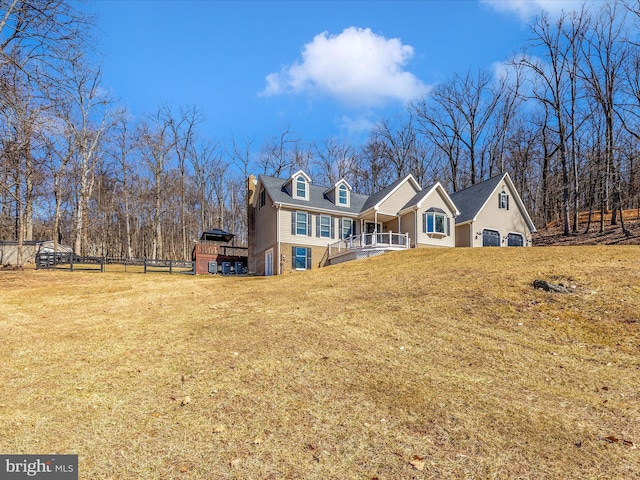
<point x="421" y="364"/>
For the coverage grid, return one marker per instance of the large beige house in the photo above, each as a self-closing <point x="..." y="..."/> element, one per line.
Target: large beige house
<point x="296" y="225"/>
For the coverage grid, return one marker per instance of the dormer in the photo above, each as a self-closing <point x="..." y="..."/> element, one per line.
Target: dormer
<point x="340" y="194"/>
<point x="299" y="185"/>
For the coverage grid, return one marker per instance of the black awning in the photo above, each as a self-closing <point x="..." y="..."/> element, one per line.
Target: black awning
<point x="216" y="235"/>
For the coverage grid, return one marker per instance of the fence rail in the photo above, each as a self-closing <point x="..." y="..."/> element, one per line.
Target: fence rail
<point x="72" y="261"/>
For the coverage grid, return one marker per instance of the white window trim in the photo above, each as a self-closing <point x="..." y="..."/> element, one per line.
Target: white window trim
<point x="343" y="188"/>
<point x="306" y="224"/>
<point x="504" y="200"/>
<point x="306" y="253"/>
<point x="328" y="226"/>
<point x="434" y="232"/>
<point x="294" y="187"/>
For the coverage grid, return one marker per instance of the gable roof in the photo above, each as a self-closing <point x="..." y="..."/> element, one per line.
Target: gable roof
<point x="317" y="198"/>
<point x="425" y="192"/>
<point x="340" y="182"/>
<point x="377" y="198"/>
<point x="472" y="199"/>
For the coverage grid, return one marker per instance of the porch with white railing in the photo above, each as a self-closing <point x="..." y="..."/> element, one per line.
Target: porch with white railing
<point x="368" y="244"/>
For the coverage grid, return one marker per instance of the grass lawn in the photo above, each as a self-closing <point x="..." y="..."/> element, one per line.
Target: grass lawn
<point x="419" y="364"/>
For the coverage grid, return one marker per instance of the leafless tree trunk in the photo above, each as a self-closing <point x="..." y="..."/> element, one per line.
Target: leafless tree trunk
<point x="155" y="142"/>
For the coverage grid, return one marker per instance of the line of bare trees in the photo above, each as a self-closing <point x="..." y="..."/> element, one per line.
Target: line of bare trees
<point x="562" y="116"/>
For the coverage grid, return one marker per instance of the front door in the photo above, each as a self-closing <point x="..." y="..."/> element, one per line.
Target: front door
<point x="370" y="228"/>
<point x="268" y="263"/>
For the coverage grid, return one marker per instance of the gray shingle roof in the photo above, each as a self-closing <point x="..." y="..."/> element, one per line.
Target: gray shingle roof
<point x="470" y="200"/>
<point x="317" y="198"/>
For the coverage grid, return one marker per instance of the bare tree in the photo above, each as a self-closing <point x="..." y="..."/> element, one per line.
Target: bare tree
<point x="554" y="89"/>
<point x="184" y="134"/>
<point x="240" y="153"/>
<point x="605" y="55"/>
<point x="275" y="156"/>
<point x="156" y="142"/>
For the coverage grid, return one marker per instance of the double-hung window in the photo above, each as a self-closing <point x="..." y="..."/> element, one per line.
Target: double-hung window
<point x="301" y="258"/>
<point x="301" y="223"/>
<point x="301" y="187"/>
<point x="324" y="226"/>
<point x="343" y="198"/>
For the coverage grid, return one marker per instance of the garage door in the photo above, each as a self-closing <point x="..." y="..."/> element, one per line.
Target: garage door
<point x="515" y="240"/>
<point x="490" y="238"/>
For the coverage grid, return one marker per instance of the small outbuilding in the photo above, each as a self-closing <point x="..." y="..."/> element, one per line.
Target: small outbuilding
<point x="215" y="253"/>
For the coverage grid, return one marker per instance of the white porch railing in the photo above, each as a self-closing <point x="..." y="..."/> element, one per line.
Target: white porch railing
<point x="365" y="241"/>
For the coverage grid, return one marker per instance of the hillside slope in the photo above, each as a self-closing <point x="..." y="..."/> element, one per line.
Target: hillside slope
<point x="552" y="234"/>
<point x="418" y="364"/>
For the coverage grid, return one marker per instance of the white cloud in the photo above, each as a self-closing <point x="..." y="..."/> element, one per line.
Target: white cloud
<point x="357" y="67"/>
<point x="526" y="9"/>
<point x="355" y="126"/>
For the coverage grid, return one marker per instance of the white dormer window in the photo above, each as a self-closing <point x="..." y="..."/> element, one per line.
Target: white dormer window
<point x="301" y="187"/>
<point x="343" y="196"/>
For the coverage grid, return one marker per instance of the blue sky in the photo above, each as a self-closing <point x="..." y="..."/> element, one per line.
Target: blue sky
<point x="319" y="68"/>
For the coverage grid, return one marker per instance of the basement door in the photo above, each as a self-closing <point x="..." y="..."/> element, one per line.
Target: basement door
<point x="268" y="263"/>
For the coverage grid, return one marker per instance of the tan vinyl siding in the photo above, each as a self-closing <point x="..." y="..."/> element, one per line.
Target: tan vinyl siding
<point x="260" y="266"/>
<point x="393" y="204"/>
<point x="265" y="229"/>
<point x="391" y="226"/>
<point x="408" y="225"/>
<point x="500" y="219"/>
<point x="435" y="200"/>
<point x="303" y="240"/>
<point x="463" y="235"/>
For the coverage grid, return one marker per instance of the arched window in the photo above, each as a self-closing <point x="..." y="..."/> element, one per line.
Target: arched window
<point x="301" y="187"/>
<point x="503" y="200"/>
<point x="343" y="193"/>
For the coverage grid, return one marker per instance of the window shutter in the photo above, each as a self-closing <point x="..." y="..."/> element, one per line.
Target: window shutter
<point x="309" y="224"/>
<point x="424" y="222"/>
<point x="340" y="234"/>
<point x="293" y="257"/>
<point x="333" y="227"/>
<point x="308" y="259"/>
<point x="318" y="226"/>
<point x="293" y="223"/>
<point x="499" y="200"/>
<point x="507" y="202"/>
<point x="353" y="228"/>
<point x="448" y="226"/>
